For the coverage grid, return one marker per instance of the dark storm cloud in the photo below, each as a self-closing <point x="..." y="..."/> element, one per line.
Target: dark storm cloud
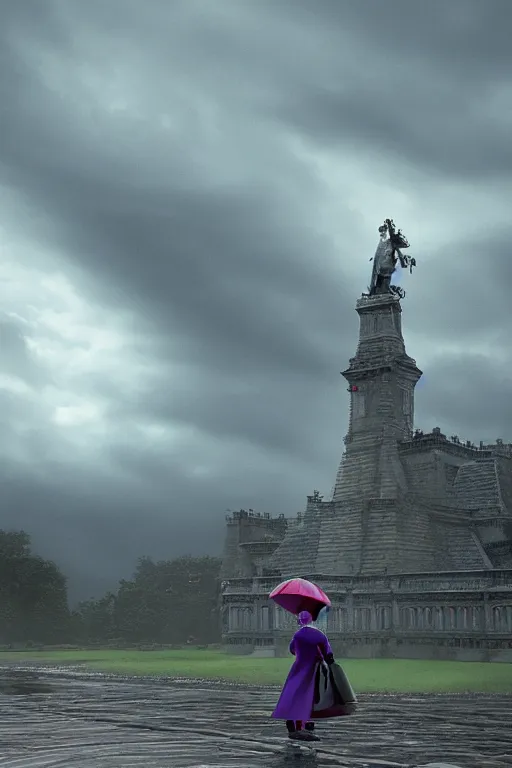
<point x="425" y="83"/>
<point x="154" y="146"/>
<point x="466" y="389"/>
<point x="95" y="538"/>
<point x="230" y="269"/>
<point x="464" y="276"/>
<point x="269" y="409"/>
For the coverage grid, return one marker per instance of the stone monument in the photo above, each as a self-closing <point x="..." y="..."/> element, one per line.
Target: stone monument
<point x="415" y="545"/>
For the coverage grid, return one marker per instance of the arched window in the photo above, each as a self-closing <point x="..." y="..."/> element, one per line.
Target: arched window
<point x="428" y="618"/>
<point x="452" y="619"/>
<point x="440" y="619"/>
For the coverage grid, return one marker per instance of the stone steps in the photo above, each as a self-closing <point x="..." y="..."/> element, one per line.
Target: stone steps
<point x="339" y="544"/>
<point x="357" y="474"/>
<point x="478" y="482"/>
<point x="297" y="553"/>
<point x="379" y="537"/>
<point x="464" y="552"/>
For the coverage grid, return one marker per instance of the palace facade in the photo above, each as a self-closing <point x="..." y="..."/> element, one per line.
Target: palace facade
<point x="415" y="546"/>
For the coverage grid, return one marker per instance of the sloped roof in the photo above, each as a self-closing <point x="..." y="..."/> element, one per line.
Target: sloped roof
<point x="504" y="472"/>
<point x="477" y="484"/>
<point x="297" y="552"/>
<point x="485" y="483"/>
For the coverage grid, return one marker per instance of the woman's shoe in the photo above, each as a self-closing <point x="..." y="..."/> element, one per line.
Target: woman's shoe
<point x="302" y="736"/>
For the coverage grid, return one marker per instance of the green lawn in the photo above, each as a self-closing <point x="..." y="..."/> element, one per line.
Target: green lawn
<point x="366" y="675"/>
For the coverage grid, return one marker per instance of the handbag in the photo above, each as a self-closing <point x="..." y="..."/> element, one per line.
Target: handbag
<point x="342" y="685"/>
<point x="325" y="695"/>
<point x="333" y="689"/>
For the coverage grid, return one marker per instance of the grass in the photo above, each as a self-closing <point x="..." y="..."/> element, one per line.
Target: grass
<point x="366" y="675"/>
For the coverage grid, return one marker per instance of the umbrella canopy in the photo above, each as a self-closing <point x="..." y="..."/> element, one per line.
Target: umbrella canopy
<point x="296" y="595"/>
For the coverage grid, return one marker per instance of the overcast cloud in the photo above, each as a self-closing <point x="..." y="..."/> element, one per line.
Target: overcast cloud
<point x="190" y="192"/>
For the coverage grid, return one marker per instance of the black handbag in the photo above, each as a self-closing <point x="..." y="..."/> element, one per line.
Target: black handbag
<point x="342" y="687"/>
<point x="333" y="688"/>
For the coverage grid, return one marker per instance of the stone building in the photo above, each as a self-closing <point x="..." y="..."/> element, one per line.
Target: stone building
<point x="415" y="546"/>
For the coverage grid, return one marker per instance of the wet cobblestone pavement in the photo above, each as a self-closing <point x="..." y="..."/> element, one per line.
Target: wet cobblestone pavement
<point x="64" y="718"/>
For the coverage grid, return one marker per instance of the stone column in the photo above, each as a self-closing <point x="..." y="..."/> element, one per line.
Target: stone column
<point x="257" y="615"/>
<point x="487" y="614"/>
<point x="395" y="614"/>
<point x="350" y="612"/>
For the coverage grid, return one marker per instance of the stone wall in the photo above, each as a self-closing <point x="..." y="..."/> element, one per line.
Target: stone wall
<point x="244" y="528"/>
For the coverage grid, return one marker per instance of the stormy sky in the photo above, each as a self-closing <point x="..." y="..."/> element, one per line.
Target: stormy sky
<point x="190" y="192"/>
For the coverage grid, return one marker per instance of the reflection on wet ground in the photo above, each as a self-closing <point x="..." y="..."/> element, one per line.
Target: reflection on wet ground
<point x="22" y="683"/>
<point x="62" y="717"/>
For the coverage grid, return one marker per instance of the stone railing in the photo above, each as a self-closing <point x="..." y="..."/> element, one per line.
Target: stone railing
<point x="461" y="581"/>
<point x="412" y="582"/>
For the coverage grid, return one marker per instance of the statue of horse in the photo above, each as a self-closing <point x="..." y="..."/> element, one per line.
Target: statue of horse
<point x="387" y="255"/>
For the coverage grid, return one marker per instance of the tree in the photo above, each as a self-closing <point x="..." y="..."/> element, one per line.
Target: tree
<point x="170" y="601"/>
<point x="94" y="620"/>
<point x="33" y="593"/>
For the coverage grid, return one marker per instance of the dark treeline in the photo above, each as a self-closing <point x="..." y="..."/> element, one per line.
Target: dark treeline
<point x="165" y="603"/>
<point x="33" y="594"/>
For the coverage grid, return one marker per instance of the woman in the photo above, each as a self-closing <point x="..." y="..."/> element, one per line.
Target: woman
<point x="309" y="645"/>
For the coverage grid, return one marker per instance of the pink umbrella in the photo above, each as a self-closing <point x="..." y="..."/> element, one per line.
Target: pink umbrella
<point x="296" y="595"/>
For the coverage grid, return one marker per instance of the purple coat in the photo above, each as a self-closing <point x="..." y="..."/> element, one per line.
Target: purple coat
<point x="298" y="694"/>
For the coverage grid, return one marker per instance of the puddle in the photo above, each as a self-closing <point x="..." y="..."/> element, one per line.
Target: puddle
<point x="22" y="684"/>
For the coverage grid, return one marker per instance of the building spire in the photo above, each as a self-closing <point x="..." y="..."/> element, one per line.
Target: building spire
<point x="381" y="380"/>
